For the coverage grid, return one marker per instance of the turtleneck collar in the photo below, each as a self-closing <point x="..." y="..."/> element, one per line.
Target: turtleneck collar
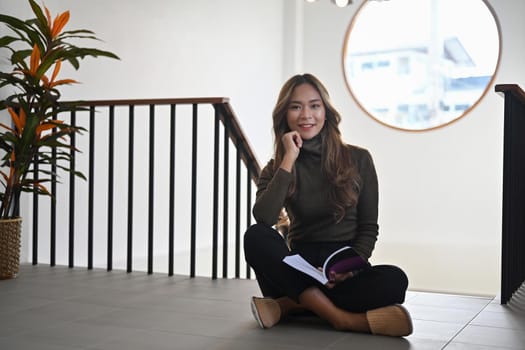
<point x="313" y="146"/>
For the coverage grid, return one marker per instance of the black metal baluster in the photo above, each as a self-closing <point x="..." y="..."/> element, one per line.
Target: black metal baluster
<point x="111" y="175"/>
<point x="71" y="262"/>
<point x="238" y="214"/>
<point x="193" y="191"/>
<point x="129" y="255"/>
<point x="35" y="211"/>
<point x="53" y="213"/>
<point x="248" y="205"/>
<point x="215" y="234"/>
<point x="225" y="201"/>
<point x="172" y="191"/>
<point x="151" y="186"/>
<point x="91" y="185"/>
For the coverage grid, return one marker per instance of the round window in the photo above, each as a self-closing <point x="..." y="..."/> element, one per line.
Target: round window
<point x="420" y="64"/>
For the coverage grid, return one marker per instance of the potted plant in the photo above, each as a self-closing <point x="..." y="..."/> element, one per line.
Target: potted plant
<point x="35" y="136"/>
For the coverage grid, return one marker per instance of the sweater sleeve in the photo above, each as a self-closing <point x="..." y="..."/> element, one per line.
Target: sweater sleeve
<point x="272" y="188"/>
<point x="367" y="207"/>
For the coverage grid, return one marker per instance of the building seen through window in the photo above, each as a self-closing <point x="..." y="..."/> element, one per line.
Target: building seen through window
<point x="420" y="64"/>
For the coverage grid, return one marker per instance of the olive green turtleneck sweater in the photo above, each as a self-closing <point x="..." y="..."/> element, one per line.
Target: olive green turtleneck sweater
<point x="310" y="213"/>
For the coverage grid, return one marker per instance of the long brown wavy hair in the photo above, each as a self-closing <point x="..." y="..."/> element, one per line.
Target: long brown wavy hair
<point x="336" y="160"/>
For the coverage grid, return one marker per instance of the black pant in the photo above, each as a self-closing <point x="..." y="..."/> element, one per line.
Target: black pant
<point x="265" y="248"/>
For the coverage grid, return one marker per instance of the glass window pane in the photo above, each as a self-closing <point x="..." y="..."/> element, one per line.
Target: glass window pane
<point x="419" y="64"/>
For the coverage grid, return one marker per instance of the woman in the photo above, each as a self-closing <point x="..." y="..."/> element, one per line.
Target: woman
<point x="330" y="193"/>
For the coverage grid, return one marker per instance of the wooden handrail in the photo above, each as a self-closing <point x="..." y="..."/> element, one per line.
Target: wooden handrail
<point x="220" y="104"/>
<point x="240" y="140"/>
<point x="514" y="89"/>
<point x="154" y="101"/>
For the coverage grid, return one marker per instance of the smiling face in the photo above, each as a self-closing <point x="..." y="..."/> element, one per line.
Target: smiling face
<point x="306" y="112"/>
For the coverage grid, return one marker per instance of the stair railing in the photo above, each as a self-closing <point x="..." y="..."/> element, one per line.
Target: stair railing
<point x="151" y="125"/>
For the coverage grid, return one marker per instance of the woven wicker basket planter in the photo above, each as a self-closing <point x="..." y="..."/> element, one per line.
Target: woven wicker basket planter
<point x="10" y="247"/>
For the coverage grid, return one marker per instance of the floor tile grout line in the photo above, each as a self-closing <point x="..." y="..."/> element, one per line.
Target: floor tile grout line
<point x="467" y="324"/>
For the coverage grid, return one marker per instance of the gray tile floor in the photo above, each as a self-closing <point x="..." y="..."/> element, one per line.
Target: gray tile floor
<point x="60" y="308"/>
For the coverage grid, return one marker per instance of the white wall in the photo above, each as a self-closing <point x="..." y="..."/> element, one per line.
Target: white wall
<point x="440" y="209"/>
<point x="182" y="48"/>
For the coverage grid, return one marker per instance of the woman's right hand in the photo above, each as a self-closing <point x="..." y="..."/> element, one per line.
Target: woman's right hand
<point x="292" y="143"/>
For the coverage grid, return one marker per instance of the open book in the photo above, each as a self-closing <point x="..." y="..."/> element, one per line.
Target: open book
<point x="342" y="260"/>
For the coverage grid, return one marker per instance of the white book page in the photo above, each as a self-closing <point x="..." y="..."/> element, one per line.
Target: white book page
<point x="296" y="261"/>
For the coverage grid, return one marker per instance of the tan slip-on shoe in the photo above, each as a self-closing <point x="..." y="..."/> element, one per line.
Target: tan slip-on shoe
<point x="393" y="320"/>
<point x="266" y="311"/>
